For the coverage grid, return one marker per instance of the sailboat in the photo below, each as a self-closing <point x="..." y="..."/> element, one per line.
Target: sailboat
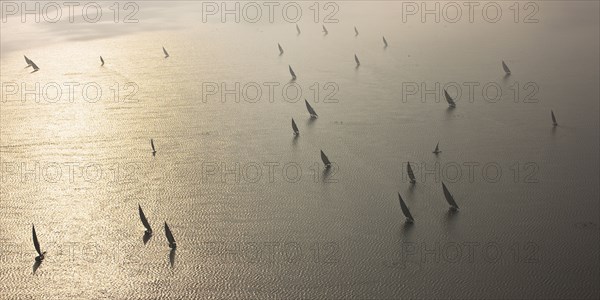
<point x="165" y="51"/>
<point x="405" y="211"/>
<point x="144" y="221"/>
<point x="385" y="44"/>
<point x="170" y="238"/>
<point x="356" y="60"/>
<point x="36" y="244"/>
<point x="280" y="49"/>
<point x="295" y="128"/>
<point x="152" y="144"/>
<point x="298" y="29"/>
<point x="449" y="198"/>
<point x="325" y="30"/>
<point x="451" y="102"/>
<point x="411" y="174"/>
<point x="311" y="111"/>
<point x="28" y="61"/>
<point x="102" y="60"/>
<point x="355" y="31"/>
<point x="553" y="118"/>
<point x="325" y="160"/>
<point x="292" y="72"/>
<point x="505" y="67"/>
<point x="34" y="66"/>
<point x="437" y="148"/>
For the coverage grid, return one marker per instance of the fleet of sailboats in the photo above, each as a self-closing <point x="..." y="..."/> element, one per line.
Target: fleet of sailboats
<point x="409" y="218"/>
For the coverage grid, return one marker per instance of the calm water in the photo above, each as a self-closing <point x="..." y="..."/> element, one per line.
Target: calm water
<point x="283" y="227"/>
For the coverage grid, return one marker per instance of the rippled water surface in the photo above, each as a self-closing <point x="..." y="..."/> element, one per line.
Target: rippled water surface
<point x="254" y="213"/>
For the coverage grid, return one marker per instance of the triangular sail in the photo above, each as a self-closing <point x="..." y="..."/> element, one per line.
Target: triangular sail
<point x="437" y="148"/>
<point x="505" y="67"/>
<point x="152" y="144"/>
<point x="355" y="31"/>
<point x="553" y="118"/>
<point x="36" y="243"/>
<point x="410" y="172"/>
<point x="297" y="29"/>
<point x="165" y="51"/>
<point x="385" y="42"/>
<point x="102" y="60"/>
<point x="294" y="127"/>
<point x="311" y="111"/>
<point x="280" y="49"/>
<point x="356" y="60"/>
<point x="449" y="197"/>
<point x="405" y="210"/>
<point x="451" y="102"/>
<point x="144" y="220"/>
<point x="34" y="66"/>
<point x="28" y="61"/>
<point x="169" y="235"/>
<point x="292" y="72"/>
<point x="325" y="29"/>
<point x="325" y="159"/>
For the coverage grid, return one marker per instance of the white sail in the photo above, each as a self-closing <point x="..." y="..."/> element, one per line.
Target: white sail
<point x="505" y="67"/>
<point x="405" y="211"/>
<point x="325" y="160"/>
